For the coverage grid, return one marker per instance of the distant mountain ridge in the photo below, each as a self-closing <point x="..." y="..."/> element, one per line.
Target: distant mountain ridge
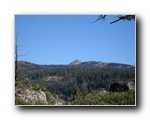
<point x="99" y="64"/>
<point x="80" y="63"/>
<point x="27" y="69"/>
<point x="71" y="79"/>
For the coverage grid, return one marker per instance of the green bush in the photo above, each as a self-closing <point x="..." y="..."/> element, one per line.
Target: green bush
<point x="19" y="101"/>
<point x="40" y="103"/>
<point x="119" y="98"/>
<point x="108" y="98"/>
<point x="22" y="83"/>
<point x="48" y="98"/>
<point x="37" y="87"/>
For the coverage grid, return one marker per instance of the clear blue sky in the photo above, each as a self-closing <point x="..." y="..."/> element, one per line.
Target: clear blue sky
<point x="60" y="39"/>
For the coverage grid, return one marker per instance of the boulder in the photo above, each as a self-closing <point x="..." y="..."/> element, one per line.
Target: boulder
<point x="30" y="96"/>
<point x="120" y="87"/>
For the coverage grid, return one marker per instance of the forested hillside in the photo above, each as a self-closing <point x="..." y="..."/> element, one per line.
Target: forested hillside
<point x="83" y="83"/>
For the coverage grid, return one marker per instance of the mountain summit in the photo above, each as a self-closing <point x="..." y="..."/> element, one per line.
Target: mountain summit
<point x="76" y="62"/>
<point x="100" y="64"/>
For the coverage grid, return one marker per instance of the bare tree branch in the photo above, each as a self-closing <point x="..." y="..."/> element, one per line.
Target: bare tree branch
<point x="120" y="17"/>
<point x="23" y="55"/>
<point x="126" y="17"/>
<point x="100" y="17"/>
<point x="16" y="56"/>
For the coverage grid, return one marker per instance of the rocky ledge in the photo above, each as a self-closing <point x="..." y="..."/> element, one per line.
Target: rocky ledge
<point x="30" y="96"/>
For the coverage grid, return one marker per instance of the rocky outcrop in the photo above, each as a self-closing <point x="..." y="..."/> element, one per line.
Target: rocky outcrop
<point x="30" y="96"/>
<point x="76" y="62"/>
<point x="121" y="86"/>
<point x="101" y="64"/>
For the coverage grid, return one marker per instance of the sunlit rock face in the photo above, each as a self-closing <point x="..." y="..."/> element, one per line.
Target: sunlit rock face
<point x="31" y="96"/>
<point x="76" y="62"/>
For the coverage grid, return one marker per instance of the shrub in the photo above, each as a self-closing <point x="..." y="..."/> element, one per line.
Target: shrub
<point x="19" y="101"/>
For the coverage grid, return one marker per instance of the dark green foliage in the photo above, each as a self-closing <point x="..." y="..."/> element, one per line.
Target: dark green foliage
<point x="27" y="84"/>
<point x="75" y="83"/>
<point x="119" y="98"/>
<point x="108" y="98"/>
<point x="37" y="87"/>
<point x="23" y="84"/>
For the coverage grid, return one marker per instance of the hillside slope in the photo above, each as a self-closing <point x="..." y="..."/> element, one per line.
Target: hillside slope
<point x="73" y="80"/>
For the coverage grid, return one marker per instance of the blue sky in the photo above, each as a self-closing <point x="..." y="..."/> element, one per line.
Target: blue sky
<point x="60" y="39"/>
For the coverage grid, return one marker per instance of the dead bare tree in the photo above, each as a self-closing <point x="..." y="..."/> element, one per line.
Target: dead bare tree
<point x="16" y="57"/>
